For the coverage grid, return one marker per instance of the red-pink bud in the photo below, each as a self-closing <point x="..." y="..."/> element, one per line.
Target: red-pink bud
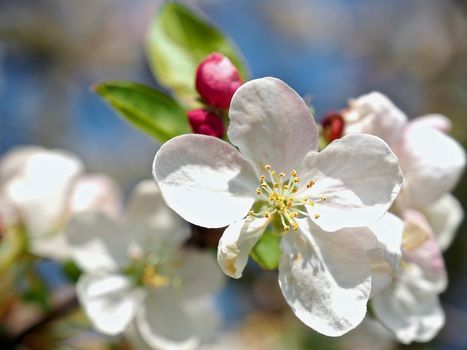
<point x="333" y="126"/>
<point x="217" y="79"/>
<point x="206" y="123"/>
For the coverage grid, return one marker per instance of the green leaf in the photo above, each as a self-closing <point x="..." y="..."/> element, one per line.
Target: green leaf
<point x="149" y="110"/>
<point x="178" y="41"/>
<point x="267" y="251"/>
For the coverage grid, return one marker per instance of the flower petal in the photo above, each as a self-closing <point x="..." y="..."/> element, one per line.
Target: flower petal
<point x="205" y="180"/>
<point x="445" y="217"/>
<point x="38" y="185"/>
<point x="271" y="124"/>
<point x="199" y="273"/>
<point x="152" y="224"/>
<point x="97" y="243"/>
<point x="108" y="300"/>
<point x="411" y="313"/>
<point x="437" y="121"/>
<point x="426" y="253"/>
<point x="358" y="175"/>
<point x="375" y="114"/>
<point x="385" y="256"/>
<point x="237" y="242"/>
<point x="325" y="278"/>
<point x="432" y="163"/>
<point x="96" y="192"/>
<point x="164" y="324"/>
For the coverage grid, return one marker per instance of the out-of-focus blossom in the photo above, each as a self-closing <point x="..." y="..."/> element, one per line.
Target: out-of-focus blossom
<point x="206" y="123"/>
<point x="351" y="184"/>
<point x="432" y="163"/>
<point x="137" y="278"/>
<point x="217" y="79"/>
<point x="41" y="188"/>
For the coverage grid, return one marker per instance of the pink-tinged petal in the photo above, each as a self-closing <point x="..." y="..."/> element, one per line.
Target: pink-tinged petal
<point x="205" y="180"/>
<point x="358" y="176"/>
<point x="236" y="244"/>
<point x="432" y="163"/>
<point x="445" y="217"/>
<point x="375" y="114"/>
<point x="325" y="278"/>
<point x="271" y="124"/>
<point x="436" y="121"/>
<point x="109" y="300"/>
<point x="420" y="247"/>
<point x="410" y="312"/>
<point x="96" y="192"/>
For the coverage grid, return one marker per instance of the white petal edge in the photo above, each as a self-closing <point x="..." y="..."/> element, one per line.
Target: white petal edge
<point x="271" y="124"/>
<point x="432" y="163"/>
<point x="199" y="273"/>
<point x="385" y="258"/>
<point x="360" y="177"/>
<point x="236" y="244"/>
<point x="325" y="278"/>
<point x="434" y="120"/>
<point x="374" y="113"/>
<point x="205" y="180"/>
<point x="163" y="323"/>
<point x="412" y="314"/>
<point x="40" y="188"/>
<point x="96" y="192"/>
<point x="109" y="301"/>
<point x="152" y="224"/>
<point x="97" y="243"/>
<point x="445" y="217"/>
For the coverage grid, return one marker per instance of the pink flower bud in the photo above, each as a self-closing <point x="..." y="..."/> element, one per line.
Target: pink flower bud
<point x="333" y="126"/>
<point x="206" y="123"/>
<point x="217" y="79"/>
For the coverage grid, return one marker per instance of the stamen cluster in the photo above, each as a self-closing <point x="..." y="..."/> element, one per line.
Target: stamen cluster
<point x="281" y="196"/>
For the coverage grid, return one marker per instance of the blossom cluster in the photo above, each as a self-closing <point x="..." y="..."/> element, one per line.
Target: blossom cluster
<point x="363" y="214"/>
<point x="365" y="219"/>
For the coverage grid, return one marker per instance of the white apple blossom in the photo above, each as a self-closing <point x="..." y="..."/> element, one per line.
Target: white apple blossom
<point x="138" y="280"/>
<point x="319" y="201"/>
<point x="432" y="163"/>
<point x="42" y="188"/>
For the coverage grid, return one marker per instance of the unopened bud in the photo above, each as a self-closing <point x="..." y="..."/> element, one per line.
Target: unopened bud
<point x="206" y="123"/>
<point x="217" y="79"/>
<point x="333" y="126"/>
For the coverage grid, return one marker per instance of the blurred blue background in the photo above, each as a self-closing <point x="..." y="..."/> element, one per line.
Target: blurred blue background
<point x="51" y="51"/>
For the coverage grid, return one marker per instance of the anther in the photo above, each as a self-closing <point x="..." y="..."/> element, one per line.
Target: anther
<point x="267" y="167"/>
<point x="261" y="178"/>
<point x="251" y="213"/>
<point x="286" y="228"/>
<point x="316" y="216"/>
<point x="281" y="174"/>
<point x="293" y="173"/>
<point x="310" y="184"/>
<point x="296" y="179"/>
<point x="258" y="191"/>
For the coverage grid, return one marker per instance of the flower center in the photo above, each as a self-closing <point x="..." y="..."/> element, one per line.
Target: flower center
<point x="152" y="278"/>
<point x="281" y="196"/>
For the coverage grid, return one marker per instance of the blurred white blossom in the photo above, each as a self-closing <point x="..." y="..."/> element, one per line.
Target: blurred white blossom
<point x="326" y="278"/>
<point x="41" y="189"/>
<point x="137" y="279"/>
<point x="432" y="163"/>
